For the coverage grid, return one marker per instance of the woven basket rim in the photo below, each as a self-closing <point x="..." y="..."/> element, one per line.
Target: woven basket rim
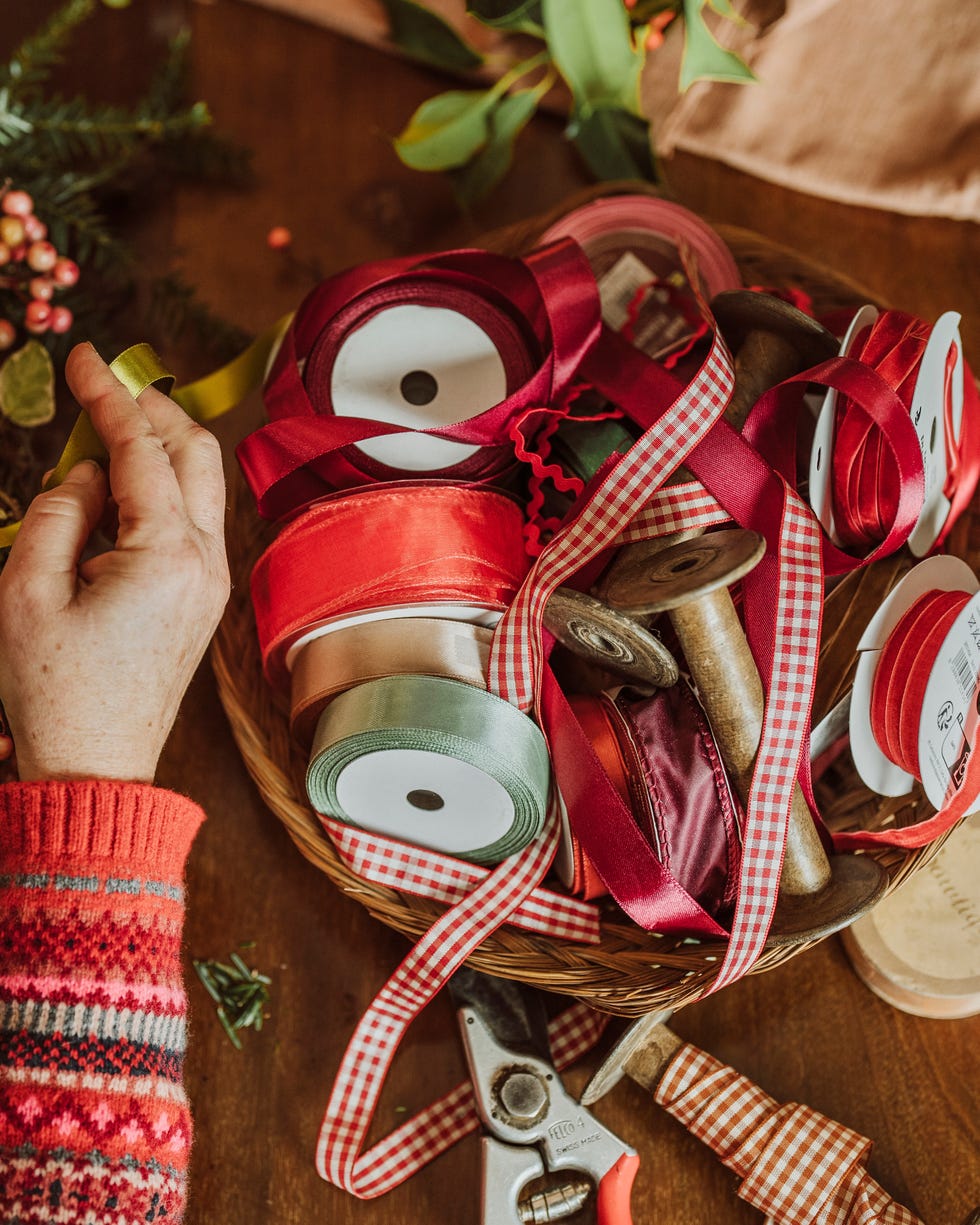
<point x="630" y="972"/>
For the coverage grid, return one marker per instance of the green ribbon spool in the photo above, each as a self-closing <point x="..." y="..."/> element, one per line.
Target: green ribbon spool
<point x="433" y="762"/>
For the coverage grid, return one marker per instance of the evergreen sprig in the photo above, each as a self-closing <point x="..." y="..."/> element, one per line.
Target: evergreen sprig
<point x="32" y="62"/>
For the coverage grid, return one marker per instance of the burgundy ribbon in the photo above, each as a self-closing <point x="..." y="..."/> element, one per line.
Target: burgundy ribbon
<point x="553" y="295"/>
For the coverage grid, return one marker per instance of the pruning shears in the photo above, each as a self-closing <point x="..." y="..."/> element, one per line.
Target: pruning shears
<point x="535" y="1126"/>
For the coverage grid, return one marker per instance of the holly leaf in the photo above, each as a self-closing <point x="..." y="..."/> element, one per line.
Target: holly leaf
<point x="704" y="58"/>
<point x="520" y="16"/>
<point x="426" y="37"/>
<point x="591" y="43"/>
<point x="615" y="144"/>
<point x="27" y="385"/>
<point x="447" y="130"/>
<point x="507" y="121"/>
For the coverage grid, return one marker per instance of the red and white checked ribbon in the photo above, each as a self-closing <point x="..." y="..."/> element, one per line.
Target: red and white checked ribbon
<point x="571" y="1034"/>
<point x="412" y="869"/>
<point x="796" y="1165"/>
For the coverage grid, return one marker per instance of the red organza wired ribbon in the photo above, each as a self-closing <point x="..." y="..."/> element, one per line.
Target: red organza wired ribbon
<point x="551" y="294"/>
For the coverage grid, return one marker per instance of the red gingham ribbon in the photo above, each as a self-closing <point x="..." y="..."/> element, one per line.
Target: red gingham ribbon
<point x="426" y="873"/>
<point x="570" y="1034"/>
<point x="796" y="1165"/>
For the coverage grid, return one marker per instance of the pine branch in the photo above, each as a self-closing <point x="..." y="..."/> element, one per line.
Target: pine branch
<point x="75" y="130"/>
<point x="31" y="63"/>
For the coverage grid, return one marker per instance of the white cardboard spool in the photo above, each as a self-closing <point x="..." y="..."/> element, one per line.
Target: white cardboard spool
<point x="919" y="948"/>
<point x="372" y="361"/>
<point x="875" y="769"/>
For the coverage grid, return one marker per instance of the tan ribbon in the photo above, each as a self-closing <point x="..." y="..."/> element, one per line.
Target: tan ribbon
<point x="402" y="646"/>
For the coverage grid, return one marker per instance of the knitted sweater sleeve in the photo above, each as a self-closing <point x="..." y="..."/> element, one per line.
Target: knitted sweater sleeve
<point x="94" y="1122"/>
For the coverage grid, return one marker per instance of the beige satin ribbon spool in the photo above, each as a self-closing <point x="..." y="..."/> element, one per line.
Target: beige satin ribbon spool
<point x="405" y="646"/>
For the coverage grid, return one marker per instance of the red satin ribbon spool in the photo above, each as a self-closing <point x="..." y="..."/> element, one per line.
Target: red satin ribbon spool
<point x="386" y="547"/>
<point x="660" y="756"/>
<point x="546" y="305"/>
<point x="668" y="250"/>
<point x="900" y="679"/>
<point x="866" y="485"/>
<point x="515" y="347"/>
<point x="898" y="691"/>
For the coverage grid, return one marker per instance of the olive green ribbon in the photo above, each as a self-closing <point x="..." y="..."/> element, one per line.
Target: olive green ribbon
<point x="437" y="715"/>
<point x="139" y="367"/>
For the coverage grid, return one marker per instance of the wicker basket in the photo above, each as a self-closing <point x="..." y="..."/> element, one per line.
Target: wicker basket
<point x="630" y="972"/>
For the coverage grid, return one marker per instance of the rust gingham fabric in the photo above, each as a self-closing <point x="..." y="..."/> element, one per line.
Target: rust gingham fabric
<point x="796" y="1165"/>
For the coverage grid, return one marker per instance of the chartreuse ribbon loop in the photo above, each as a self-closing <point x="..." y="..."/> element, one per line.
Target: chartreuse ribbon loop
<point x="203" y="400"/>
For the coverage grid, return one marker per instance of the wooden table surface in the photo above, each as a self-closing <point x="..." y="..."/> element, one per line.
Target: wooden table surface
<point x="319" y="113"/>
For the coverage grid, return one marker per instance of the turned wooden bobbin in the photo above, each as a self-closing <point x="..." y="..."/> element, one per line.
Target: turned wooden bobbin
<point x="609" y="639"/>
<point x="771" y="340"/>
<point x="690" y="581"/>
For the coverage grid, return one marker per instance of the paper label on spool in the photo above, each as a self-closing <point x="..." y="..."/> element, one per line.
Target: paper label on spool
<point x="950" y="715"/>
<point x="658" y="326"/>
<point x="422" y="367"/>
<point x="874" y="768"/>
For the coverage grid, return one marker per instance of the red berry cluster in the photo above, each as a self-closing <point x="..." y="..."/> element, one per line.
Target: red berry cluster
<point x="32" y="267"/>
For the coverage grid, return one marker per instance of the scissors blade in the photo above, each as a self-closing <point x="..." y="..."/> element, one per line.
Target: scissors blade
<point x="513" y="1012"/>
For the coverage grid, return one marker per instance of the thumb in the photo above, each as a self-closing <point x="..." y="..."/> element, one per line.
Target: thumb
<point x="58" y="524"/>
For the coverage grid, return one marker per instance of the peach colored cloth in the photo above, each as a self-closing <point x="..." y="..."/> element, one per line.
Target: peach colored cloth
<point x="866" y="102"/>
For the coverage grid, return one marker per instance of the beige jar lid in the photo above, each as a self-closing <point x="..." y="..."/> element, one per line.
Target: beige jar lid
<point x="919" y="948"/>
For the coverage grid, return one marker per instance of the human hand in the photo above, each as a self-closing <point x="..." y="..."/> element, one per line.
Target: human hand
<point x="96" y="654"/>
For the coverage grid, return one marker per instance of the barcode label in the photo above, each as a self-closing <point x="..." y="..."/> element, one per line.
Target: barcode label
<point x="965" y="673"/>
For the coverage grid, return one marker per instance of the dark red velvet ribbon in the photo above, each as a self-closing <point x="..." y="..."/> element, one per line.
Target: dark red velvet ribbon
<point x="551" y="294"/>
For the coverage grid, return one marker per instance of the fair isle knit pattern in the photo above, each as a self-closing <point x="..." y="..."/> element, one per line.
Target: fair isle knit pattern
<point x="94" y="1123"/>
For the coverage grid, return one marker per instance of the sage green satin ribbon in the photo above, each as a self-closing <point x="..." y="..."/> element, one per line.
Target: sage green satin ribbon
<point x="435" y="715"/>
<point x="583" y="446"/>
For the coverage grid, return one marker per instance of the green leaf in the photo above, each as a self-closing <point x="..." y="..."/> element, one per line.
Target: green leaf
<point x="520" y="16"/>
<point x="27" y="385"/>
<point x="475" y="180"/>
<point x="426" y="37"/>
<point x="704" y="58"/>
<point x="615" y="144"/>
<point x="447" y="130"/>
<point x="591" y="43"/>
<point x="725" y="8"/>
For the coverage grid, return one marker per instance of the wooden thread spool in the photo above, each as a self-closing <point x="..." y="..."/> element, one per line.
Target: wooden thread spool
<point x="690" y="582"/>
<point x="609" y="640"/>
<point x="771" y="341"/>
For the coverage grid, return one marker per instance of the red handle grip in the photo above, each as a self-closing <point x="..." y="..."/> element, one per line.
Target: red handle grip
<point x="613" y="1202"/>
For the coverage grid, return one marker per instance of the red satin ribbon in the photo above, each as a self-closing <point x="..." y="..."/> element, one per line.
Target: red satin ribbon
<point x="386" y="546"/>
<point x="551" y="298"/>
<point x="878" y="478"/>
<point x="897" y="694"/>
<point x="866" y="487"/>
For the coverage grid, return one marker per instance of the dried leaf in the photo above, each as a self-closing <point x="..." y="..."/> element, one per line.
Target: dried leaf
<point x="27" y="385"/>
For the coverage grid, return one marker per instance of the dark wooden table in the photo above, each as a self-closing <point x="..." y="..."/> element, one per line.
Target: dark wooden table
<point x="319" y="113"/>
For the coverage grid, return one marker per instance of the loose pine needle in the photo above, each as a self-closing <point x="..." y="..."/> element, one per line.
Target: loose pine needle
<point x="240" y="993"/>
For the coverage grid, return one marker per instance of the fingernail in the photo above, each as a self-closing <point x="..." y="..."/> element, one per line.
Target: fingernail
<point x="83" y="472"/>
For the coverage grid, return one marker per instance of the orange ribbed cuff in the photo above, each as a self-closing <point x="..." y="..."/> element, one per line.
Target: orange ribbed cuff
<point x="94" y="823"/>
